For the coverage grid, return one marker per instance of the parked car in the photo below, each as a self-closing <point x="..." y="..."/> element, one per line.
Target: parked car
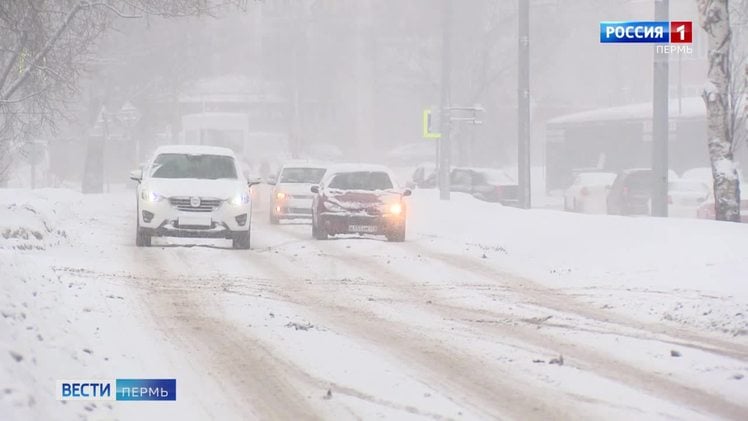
<point x="685" y="196"/>
<point x="631" y="192"/>
<point x="290" y="197"/>
<point x="704" y="174"/>
<point x="588" y="192"/>
<point x="489" y="184"/>
<point x="424" y="176"/>
<point x="193" y="191"/>
<point x="706" y="209"/>
<point x="358" y="199"/>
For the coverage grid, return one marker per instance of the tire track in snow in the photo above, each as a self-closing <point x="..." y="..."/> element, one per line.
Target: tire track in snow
<point x="580" y="357"/>
<point x="557" y="300"/>
<point x="585" y="359"/>
<point x="240" y="343"/>
<point x="542" y="296"/>
<point x="239" y="363"/>
<point x="460" y="373"/>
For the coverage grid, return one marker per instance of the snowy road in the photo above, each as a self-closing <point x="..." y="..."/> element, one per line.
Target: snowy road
<point x="353" y="328"/>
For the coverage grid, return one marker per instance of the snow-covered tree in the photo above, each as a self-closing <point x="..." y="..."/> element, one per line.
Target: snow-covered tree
<point x="739" y="73"/>
<point x="45" y="45"/>
<point x="714" y="17"/>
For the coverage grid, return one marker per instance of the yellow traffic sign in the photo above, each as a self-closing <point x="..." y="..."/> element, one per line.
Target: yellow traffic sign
<point x="427" y="134"/>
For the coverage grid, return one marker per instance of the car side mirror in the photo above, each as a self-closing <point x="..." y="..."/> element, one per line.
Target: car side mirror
<point x="270" y="180"/>
<point x="315" y="189"/>
<point x="253" y="182"/>
<point x="136" y="175"/>
<point x="407" y="192"/>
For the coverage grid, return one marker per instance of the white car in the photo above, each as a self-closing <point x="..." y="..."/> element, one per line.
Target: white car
<point x="193" y="191"/>
<point x="685" y="196"/>
<point x="291" y="197"/>
<point x="588" y="193"/>
<point x="703" y="174"/>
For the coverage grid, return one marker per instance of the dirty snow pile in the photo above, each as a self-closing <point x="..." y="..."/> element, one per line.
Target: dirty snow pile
<point x="30" y="219"/>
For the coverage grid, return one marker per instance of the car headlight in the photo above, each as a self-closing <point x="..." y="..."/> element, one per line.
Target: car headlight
<point x="239" y="199"/>
<point x="333" y="207"/>
<point x="150" y="196"/>
<point x="280" y="195"/>
<point x="395" y="209"/>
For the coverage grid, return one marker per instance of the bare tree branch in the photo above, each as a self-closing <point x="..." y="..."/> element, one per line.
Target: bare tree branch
<point x="50" y="43"/>
<point x="27" y="97"/>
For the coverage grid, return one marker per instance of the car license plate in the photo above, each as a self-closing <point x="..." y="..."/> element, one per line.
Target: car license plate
<point x="362" y="228"/>
<point x="195" y="220"/>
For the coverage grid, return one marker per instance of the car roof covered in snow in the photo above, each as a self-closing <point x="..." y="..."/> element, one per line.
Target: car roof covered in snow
<point x="672" y="175"/>
<point x="342" y="168"/>
<point x="195" y="150"/>
<point x="347" y="168"/>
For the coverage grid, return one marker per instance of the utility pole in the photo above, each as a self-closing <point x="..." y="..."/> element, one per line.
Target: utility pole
<point x="366" y="113"/>
<point x="523" y="104"/>
<point x="445" y="146"/>
<point x="660" y="123"/>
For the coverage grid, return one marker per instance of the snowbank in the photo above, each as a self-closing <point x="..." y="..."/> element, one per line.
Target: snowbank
<point x="702" y="263"/>
<point x="644" y="251"/>
<point x="30" y="219"/>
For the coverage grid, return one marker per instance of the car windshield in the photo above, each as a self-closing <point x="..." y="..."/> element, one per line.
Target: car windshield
<point x="210" y="167"/>
<point x="302" y="175"/>
<point x="361" y="180"/>
<point x="639" y="182"/>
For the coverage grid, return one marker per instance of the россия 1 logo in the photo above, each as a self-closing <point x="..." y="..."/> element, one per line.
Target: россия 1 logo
<point x="651" y="32"/>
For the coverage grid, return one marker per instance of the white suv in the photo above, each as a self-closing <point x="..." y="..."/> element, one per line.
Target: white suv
<point x="193" y="191"/>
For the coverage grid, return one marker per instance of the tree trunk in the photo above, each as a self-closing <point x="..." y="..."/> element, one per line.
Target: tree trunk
<point x="715" y="19"/>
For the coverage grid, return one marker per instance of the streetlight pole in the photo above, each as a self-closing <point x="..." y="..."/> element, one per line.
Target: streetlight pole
<point x="445" y="147"/>
<point x="523" y="104"/>
<point x="660" y="123"/>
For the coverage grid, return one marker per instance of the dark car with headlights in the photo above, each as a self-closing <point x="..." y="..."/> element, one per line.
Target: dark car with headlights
<point x="359" y="199"/>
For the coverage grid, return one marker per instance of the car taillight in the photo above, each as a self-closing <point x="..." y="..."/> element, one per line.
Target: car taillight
<point x="584" y="191"/>
<point x="625" y="191"/>
<point x="497" y="190"/>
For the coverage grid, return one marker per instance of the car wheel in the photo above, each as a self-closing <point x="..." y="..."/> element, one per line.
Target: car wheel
<point x="398" y="235"/>
<point x="318" y="233"/>
<point x="142" y="238"/>
<point x="274" y="220"/>
<point x="241" y="240"/>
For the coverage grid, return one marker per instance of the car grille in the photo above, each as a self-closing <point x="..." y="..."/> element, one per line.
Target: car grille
<point x="304" y="211"/>
<point x="206" y="205"/>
